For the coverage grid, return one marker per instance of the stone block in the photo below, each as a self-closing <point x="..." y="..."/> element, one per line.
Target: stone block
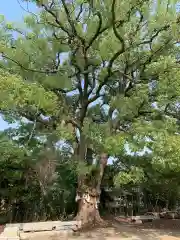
<point x="143" y="217"/>
<point x="4" y="237"/>
<point x="47" y="226"/>
<point x="10" y="233"/>
<point x="11" y="229"/>
<point x="14" y="225"/>
<point x="37" y="226"/>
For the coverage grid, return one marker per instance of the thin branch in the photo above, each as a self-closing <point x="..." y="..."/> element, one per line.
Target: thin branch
<point x="58" y="60"/>
<point x="109" y="74"/>
<point x="80" y="11"/>
<point x="116" y="55"/>
<point x="155" y="35"/>
<point x="32" y="117"/>
<point x="28" y="69"/>
<point x="139" y="24"/>
<point x="27" y="10"/>
<point x="93" y="84"/>
<point x="109" y="26"/>
<point x="97" y="33"/>
<point x="71" y="22"/>
<point x="78" y="77"/>
<point x="167" y="7"/>
<point x="69" y="18"/>
<point x="118" y="36"/>
<point x="124" y="74"/>
<point x="73" y="122"/>
<point x="34" y="70"/>
<point x="109" y="68"/>
<point x="34" y="126"/>
<point x="60" y="90"/>
<point x="56" y="19"/>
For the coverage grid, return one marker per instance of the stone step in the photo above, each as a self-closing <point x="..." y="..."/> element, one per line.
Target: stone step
<point x="9" y="238"/>
<point x="44" y="226"/>
<point x="10" y="233"/>
<point x="46" y="235"/>
<point x="143" y="217"/>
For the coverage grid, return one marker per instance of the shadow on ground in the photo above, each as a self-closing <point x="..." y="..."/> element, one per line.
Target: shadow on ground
<point x="115" y="232"/>
<point x="158" y="229"/>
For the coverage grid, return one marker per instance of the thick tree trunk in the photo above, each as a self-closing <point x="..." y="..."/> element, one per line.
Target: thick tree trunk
<point x="88" y="200"/>
<point x="88" y="212"/>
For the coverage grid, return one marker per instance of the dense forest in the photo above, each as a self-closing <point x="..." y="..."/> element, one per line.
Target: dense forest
<point x="92" y="90"/>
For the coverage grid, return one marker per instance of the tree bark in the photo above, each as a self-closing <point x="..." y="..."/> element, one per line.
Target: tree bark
<point x="88" y="199"/>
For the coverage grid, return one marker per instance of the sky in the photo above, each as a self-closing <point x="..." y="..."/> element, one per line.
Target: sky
<point x="13" y="11"/>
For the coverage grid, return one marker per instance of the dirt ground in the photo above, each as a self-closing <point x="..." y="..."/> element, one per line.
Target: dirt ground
<point x="158" y="229"/>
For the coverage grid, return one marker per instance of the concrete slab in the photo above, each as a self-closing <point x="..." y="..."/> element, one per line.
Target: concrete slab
<point x="10" y="233"/>
<point x="13" y="225"/>
<point x="9" y="238"/>
<point x="13" y="231"/>
<point x="49" y="235"/>
<point x="143" y="217"/>
<point x="18" y="225"/>
<point x="40" y="226"/>
<point x="47" y="226"/>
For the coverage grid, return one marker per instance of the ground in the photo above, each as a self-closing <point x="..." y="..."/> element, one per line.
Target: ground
<point x="159" y="229"/>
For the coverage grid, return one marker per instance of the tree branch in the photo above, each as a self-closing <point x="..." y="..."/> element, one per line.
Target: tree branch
<point x="118" y="36"/>
<point x="56" y="19"/>
<point x="115" y="56"/>
<point x="28" y="69"/>
<point x="109" y="74"/>
<point x="93" y="84"/>
<point x="97" y="33"/>
<point x="71" y="22"/>
<point x="80" y="11"/>
<point x="155" y="35"/>
<point x="60" y="90"/>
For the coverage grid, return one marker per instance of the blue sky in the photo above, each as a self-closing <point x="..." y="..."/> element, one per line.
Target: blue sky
<point x="12" y="11"/>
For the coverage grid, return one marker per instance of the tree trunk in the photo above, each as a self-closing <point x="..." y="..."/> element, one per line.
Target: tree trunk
<point x="88" y="212"/>
<point x="88" y="200"/>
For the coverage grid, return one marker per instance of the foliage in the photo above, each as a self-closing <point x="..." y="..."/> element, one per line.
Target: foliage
<point x="134" y="175"/>
<point x="31" y="187"/>
<point x="91" y="75"/>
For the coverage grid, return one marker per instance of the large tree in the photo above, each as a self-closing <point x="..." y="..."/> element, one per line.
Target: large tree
<point x="95" y="75"/>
